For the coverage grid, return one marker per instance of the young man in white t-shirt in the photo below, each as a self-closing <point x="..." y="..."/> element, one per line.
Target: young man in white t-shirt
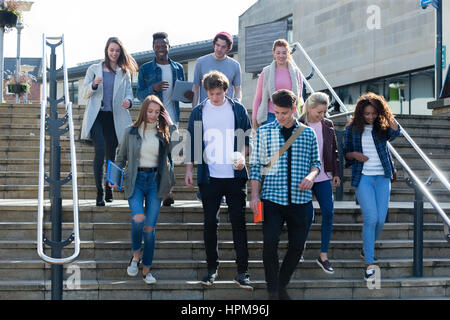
<point x="219" y="127"/>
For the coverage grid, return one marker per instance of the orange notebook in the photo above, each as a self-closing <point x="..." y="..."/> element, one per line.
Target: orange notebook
<point x="259" y="217"/>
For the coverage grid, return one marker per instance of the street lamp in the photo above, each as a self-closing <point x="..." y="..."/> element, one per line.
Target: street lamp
<point x="25" y="6"/>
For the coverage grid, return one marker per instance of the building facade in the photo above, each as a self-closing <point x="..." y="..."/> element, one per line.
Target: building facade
<point x="383" y="46"/>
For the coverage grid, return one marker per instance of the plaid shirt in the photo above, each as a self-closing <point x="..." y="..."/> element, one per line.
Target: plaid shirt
<point x="305" y="155"/>
<point x="353" y="144"/>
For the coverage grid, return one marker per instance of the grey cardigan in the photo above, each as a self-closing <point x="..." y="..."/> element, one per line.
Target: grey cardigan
<point x="122" y="91"/>
<point x="129" y="153"/>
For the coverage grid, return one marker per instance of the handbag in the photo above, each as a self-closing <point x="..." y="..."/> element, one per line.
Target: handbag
<point x="277" y="155"/>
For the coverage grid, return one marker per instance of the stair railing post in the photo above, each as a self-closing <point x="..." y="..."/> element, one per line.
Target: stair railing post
<point x="418" y="226"/>
<point x="53" y="127"/>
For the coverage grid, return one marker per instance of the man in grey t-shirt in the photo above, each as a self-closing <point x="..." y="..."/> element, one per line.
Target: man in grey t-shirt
<point x="218" y="60"/>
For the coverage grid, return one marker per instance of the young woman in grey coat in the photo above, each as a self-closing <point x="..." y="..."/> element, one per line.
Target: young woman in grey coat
<point x="107" y="86"/>
<point x="149" y="176"/>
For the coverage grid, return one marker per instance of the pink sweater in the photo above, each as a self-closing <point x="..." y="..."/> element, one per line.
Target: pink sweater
<point x="282" y="81"/>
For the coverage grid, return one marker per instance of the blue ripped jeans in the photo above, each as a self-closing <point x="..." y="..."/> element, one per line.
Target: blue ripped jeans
<point x="145" y="190"/>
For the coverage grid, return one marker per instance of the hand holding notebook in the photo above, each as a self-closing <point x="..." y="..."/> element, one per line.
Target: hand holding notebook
<point x="114" y="175"/>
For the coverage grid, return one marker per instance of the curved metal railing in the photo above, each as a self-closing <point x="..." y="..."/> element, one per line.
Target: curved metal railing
<point x="40" y="217"/>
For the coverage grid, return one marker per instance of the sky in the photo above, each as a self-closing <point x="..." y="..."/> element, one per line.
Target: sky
<point x="87" y="24"/>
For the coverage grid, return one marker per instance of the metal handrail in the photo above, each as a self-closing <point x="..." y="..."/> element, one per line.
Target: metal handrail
<point x="40" y="218"/>
<point x="430" y="164"/>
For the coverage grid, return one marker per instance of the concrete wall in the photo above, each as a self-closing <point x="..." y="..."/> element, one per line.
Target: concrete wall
<point x="349" y="40"/>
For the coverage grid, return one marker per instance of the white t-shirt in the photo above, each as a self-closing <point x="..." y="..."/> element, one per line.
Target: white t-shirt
<point x="167" y="94"/>
<point x="218" y="136"/>
<point x="373" y="166"/>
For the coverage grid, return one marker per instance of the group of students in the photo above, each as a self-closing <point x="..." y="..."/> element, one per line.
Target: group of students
<point x="292" y="157"/>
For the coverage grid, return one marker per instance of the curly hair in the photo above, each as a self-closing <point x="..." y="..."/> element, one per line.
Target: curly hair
<point x="385" y="116"/>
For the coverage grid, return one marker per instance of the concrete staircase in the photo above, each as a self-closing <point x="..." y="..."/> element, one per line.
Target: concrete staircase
<point x="179" y="256"/>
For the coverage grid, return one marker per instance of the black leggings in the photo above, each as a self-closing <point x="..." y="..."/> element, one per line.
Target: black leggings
<point x="103" y="134"/>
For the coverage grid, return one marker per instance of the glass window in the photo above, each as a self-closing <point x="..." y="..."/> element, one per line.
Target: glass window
<point x="422" y="91"/>
<point x="73" y="91"/>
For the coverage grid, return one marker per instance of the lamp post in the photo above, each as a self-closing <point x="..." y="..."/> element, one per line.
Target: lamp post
<point x="19" y="27"/>
<point x="2" y="35"/>
<point x="25" y="6"/>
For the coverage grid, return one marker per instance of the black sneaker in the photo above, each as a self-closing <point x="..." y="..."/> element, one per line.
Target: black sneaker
<point x="325" y="265"/>
<point x="208" y="280"/>
<point x="243" y="280"/>
<point x="283" y="294"/>
<point x="273" y="295"/>
<point x="168" y="201"/>
<point x="369" y="274"/>
<point x="364" y="257"/>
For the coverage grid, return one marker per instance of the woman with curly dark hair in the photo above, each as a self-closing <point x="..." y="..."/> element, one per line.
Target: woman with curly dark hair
<point x="366" y="151"/>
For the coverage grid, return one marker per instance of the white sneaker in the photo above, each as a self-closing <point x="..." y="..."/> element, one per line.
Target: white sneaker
<point x="149" y="279"/>
<point x="369" y="274"/>
<point x="133" y="268"/>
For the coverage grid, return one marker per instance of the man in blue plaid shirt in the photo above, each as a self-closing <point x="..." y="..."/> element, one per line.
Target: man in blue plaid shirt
<point x="286" y="193"/>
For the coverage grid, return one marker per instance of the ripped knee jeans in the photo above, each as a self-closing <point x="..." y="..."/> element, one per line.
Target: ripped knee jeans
<point x="144" y="218"/>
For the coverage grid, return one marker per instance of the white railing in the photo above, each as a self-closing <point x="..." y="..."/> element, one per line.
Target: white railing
<point x="40" y="217"/>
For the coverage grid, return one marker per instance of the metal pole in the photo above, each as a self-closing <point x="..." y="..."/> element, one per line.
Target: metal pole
<point x="19" y="27"/>
<point x="418" y="233"/>
<point x="439" y="49"/>
<point x="55" y="187"/>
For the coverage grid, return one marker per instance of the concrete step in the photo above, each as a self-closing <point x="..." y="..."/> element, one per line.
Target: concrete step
<point x="184" y="193"/>
<point x="194" y="231"/>
<point x="136" y="289"/>
<point x="346" y="212"/>
<point x="86" y="178"/>
<point x="194" y="270"/>
<point x="194" y="250"/>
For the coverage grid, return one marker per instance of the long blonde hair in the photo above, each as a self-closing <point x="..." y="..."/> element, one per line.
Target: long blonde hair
<point x="162" y="126"/>
<point x="316" y="99"/>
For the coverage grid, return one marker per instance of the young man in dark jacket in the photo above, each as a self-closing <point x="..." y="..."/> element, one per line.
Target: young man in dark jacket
<point x="219" y="128"/>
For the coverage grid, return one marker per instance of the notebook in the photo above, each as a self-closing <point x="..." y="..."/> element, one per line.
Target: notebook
<point x="114" y="175"/>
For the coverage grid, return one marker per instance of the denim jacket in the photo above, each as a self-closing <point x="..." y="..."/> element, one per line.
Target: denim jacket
<point x="150" y="74"/>
<point x="353" y="143"/>
<point x="195" y="128"/>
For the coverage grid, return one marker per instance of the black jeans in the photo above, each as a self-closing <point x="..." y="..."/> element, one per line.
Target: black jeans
<point x="296" y="218"/>
<point x="103" y="133"/>
<point x="235" y="191"/>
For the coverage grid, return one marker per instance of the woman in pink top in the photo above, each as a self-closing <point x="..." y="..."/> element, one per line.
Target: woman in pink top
<point x="282" y="73"/>
<point x="313" y="115"/>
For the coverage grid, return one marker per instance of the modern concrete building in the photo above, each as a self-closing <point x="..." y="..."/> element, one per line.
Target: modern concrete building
<point x="383" y="46"/>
